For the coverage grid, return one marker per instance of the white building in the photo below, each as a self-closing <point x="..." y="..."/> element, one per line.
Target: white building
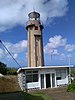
<point x="43" y="77"/>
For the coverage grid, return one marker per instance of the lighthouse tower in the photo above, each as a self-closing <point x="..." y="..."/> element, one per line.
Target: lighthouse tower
<point x="35" y="42"/>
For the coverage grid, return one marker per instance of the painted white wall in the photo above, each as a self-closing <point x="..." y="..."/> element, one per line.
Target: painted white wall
<point x="45" y="71"/>
<point x="62" y="81"/>
<point x="33" y="85"/>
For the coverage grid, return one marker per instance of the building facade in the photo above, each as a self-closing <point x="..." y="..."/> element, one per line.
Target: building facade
<point x="43" y="77"/>
<point x="35" y="41"/>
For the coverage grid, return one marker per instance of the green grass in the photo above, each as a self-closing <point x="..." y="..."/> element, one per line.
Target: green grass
<point x="24" y="96"/>
<point x="71" y="87"/>
<point x="12" y="96"/>
<point x="36" y="96"/>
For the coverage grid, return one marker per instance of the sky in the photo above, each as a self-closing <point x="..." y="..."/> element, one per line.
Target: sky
<point x="58" y="19"/>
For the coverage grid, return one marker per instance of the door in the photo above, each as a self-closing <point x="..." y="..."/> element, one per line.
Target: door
<point x="42" y="81"/>
<point x="48" y="81"/>
<point x="53" y="80"/>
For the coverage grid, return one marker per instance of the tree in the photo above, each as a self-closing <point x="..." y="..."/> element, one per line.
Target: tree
<point x="3" y="68"/>
<point x="12" y="71"/>
<point x="73" y="71"/>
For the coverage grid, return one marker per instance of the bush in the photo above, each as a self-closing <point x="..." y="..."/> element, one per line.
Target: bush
<point x="11" y="71"/>
<point x="3" y="68"/>
<point x="71" y="87"/>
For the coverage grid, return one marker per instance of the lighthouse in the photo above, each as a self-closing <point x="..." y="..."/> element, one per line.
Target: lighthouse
<point x="35" y="41"/>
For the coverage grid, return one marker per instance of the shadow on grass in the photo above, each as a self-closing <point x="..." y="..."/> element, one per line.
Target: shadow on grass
<point x="28" y="96"/>
<point x="12" y="96"/>
<point x="19" y="95"/>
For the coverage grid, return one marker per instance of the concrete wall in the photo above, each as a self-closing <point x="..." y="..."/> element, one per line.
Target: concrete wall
<point x="62" y="81"/>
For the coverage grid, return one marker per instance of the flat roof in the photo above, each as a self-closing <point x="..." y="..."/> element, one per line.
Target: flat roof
<point x="41" y="67"/>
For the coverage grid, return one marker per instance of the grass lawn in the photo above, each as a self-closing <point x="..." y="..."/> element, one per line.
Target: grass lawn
<point x="24" y="96"/>
<point x="12" y="96"/>
<point x="36" y="96"/>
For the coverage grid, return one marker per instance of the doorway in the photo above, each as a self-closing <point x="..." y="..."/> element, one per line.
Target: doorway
<point x="48" y="81"/>
<point x="53" y="80"/>
<point x="42" y="81"/>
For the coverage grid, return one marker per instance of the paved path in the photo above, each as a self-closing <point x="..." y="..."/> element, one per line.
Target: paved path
<point x="59" y="93"/>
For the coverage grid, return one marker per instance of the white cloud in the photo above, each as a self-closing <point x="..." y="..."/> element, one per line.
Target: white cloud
<point x="58" y="45"/>
<point x="55" y="52"/>
<point x="57" y="41"/>
<point x="62" y="56"/>
<point x="15" y="55"/>
<point x="19" y="47"/>
<point x="70" y="47"/>
<point x="54" y="43"/>
<point x="69" y="56"/>
<point x="1" y="53"/>
<point x="16" y="11"/>
<point x="14" y="49"/>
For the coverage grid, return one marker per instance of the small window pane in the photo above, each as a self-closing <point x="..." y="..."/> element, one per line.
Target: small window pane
<point x="58" y="78"/>
<point x="28" y="72"/>
<point x="35" y="78"/>
<point x="36" y="27"/>
<point x="28" y="78"/>
<point x="35" y="71"/>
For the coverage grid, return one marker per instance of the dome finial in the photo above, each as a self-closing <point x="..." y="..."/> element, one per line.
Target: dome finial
<point x="33" y="9"/>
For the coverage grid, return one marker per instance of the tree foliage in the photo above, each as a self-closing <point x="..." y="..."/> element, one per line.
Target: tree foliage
<point x="73" y="71"/>
<point x="11" y="71"/>
<point x="71" y="87"/>
<point x="3" y="68"/>
<point x="6" y="70"/>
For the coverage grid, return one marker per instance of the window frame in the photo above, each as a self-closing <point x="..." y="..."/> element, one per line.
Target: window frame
<point x="32" y="74"/>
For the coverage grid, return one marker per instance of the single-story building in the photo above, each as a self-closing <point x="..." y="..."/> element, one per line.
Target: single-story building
<point x="43" y="77"/>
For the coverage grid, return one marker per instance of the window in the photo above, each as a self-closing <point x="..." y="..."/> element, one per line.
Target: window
<point x="28" y="78"/>
<point x="58" y="78"/>
<point x="28" y="72"/>
<point x="35" y="71"/>
<point x="31" y="76"/>
<point x="36" y="27"/>
<point x="35" y="77"/>
<point x="60" y="74"/>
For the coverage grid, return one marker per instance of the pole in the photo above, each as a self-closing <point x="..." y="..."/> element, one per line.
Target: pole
<point x="69" y="58"/>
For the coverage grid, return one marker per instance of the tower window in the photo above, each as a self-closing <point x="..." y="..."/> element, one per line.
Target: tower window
<point x="36" y="27"/>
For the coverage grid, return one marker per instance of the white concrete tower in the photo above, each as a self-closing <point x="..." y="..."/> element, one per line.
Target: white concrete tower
<point x="35" y="42"/>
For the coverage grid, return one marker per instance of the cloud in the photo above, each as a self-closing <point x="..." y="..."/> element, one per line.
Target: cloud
<point x="16" y="12"/>
<point x="57" y="41"/>
<point x="70" y="47"/>
<point x="54" y="43"/>
<point x="17" y="47"/>
<point x="9" y="57"/>
<point x="62" y="56"/>
<point x="14" y="49"/>
<point x="1" y="53"/>
<point x="59" y="46"/>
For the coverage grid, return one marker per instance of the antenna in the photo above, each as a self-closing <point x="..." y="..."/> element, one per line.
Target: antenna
<point x="52" y="53"/>
<point x="10" y="53"/>
<point x="69" y="62"/>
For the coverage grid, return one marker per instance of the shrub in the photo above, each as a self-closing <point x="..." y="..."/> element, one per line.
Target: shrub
<point x="3" y="68"/>
<point x="11" y="71"/>
<point x="71" y="87"/>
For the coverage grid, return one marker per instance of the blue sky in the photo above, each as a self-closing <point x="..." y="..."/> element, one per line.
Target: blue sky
<point x="58" y="18"/>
